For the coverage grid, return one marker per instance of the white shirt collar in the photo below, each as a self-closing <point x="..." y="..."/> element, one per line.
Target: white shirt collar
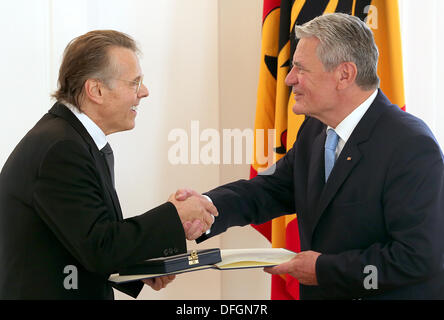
<point x="346" y="127"/>
<point x="93" y="129"/>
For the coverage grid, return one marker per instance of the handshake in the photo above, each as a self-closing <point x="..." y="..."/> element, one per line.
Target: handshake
<point x="196" y="212"/>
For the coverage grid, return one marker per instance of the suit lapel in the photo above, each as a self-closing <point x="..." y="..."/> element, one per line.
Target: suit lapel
<point x="348" y="159"/>
<point x="62" y="111"/>
<point x="315" y="175"/>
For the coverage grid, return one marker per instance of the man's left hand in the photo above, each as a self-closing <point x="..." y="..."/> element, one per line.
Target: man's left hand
<point x="301" y="267"/>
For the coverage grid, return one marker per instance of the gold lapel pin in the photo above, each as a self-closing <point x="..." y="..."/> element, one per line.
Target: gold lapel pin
<point x="349" y="158"/>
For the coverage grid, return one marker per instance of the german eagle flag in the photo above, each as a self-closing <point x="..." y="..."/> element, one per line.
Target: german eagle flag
<point x="274" y="102"/>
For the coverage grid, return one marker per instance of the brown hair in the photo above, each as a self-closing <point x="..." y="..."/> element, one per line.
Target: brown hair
<point x="86" y="57"/>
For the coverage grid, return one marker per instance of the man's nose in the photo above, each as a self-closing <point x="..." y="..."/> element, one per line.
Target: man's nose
<point x="291" y="79"/>
<point x="143" y="92"/>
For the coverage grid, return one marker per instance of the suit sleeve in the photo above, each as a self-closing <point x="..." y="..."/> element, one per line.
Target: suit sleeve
<point x="266" y="196"/>
<point x="413" y="204"/>
<point x="69" y="198"/>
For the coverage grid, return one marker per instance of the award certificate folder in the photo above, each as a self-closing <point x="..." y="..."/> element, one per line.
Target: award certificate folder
<point x="179" y="262"/>
<point x="230" y="259"/>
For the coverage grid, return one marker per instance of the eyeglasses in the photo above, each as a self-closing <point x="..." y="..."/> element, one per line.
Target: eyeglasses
<point x="137" y="83"/>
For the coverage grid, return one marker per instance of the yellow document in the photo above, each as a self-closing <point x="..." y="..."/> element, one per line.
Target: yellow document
<point x="253" y="258"/>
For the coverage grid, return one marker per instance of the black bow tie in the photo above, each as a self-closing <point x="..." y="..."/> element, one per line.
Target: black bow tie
<point x="109" y="158"/>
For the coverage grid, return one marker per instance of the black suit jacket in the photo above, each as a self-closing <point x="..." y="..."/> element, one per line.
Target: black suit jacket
<point x="382" y="206"/>
<point x="58" y="208"/>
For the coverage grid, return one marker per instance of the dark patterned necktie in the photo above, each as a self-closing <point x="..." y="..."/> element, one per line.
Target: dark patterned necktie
<point x="109" y="158"/>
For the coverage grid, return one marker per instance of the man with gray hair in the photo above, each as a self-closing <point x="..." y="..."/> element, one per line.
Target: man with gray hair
<point x="365" y="178"/>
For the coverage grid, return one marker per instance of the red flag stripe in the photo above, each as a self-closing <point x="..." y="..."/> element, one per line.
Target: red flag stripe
<point x="270" y="5"/>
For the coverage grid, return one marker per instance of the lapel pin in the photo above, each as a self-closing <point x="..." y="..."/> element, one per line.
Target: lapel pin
<point x="349" y="158"/>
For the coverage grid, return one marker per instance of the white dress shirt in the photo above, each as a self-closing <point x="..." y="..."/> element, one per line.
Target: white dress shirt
<point x="93" y="129"/>
<point x="346" y="127"/>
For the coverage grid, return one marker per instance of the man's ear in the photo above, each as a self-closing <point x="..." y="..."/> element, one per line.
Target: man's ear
<point x="346" y="74"/>
<point x="93" y="89"/>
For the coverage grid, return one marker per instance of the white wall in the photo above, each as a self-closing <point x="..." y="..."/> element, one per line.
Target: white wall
<point x="200" y="59"/>
<point x="24" y="65"/>
<point x="240" y="24"/>
<point x="423" y="49"/>
<point x="180" y="62"/>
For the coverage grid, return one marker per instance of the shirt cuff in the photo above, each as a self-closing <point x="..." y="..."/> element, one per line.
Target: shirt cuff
<point x="214" y="218"/>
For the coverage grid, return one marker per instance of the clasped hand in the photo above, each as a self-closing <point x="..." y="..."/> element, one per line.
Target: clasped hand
<point x="195" y="211"/>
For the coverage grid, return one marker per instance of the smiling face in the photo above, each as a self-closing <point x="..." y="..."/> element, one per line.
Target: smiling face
<point x="119" y="99"/>
<point x="313" y="87"/>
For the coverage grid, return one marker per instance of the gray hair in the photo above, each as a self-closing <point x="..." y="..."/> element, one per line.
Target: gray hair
<point x="344" y="38"/>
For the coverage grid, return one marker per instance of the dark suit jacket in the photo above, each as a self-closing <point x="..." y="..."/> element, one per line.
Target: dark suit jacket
<point x="58" y="208"/>
<point x="382" y="206"/>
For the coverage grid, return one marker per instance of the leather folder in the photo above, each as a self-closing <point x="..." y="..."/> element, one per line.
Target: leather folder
<point x="179" y="262"/>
